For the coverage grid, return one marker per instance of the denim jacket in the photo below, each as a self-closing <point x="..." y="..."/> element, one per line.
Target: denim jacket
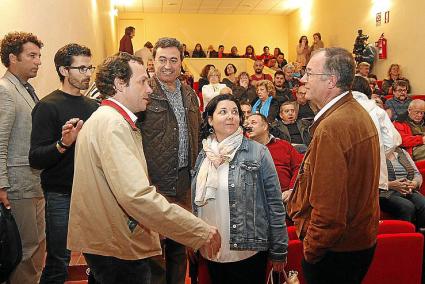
<point x="257" y="214"/>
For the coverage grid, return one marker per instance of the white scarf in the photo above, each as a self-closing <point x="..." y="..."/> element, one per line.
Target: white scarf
<point x="207" y="179"/>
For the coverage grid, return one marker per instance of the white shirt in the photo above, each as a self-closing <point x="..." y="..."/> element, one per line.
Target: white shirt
<point x="132" y="116"/>
<point x="329" y="105"/>
<point x="217" y="213"/>
<point x="210" y="91"/>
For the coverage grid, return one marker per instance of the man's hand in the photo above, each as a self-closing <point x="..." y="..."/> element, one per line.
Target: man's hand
<point x="70" y="131"/>
<point x="285" y="195"/>
<point x="213" y="243"/>
<point x="3" y="198"/>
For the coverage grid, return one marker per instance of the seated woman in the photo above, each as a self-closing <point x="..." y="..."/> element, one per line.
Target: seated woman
<point x="203" y="79"/>
<point x="235" y="188"/>
<point x="198" y="52"/>
<point x="250" y="52"/>
<point x="266" y="104"/>
<point x="243" y="90"/>
<point x="230" y="72"/>
<point x="402" y="199"/>
<point x="394" y="74"/>
<point x="213" y="88"/>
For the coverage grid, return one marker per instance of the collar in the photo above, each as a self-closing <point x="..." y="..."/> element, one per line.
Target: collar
<point x="124" y="111"/>
<point x="329" y="105"/>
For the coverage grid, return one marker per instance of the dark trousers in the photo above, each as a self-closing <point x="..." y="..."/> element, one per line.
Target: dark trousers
<point x="248" y="271"/>
<point x="58" y="257"/>
<point x="409" y="208"/>
<point x="112" y="270"/>
<point x="169" y="268"/>
<point x="339" y="267"/>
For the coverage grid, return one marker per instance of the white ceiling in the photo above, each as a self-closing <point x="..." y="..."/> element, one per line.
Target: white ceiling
<point x="276" y="7"/>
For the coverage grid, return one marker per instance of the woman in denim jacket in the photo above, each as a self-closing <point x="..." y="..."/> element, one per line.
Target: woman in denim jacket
<point x="235" y="187"/>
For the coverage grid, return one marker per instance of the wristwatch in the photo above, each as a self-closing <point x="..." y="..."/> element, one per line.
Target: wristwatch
<point x="63" y="146"/>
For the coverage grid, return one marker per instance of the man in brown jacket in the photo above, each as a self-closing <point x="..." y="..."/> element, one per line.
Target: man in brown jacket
<point x="115" y="212"/>
<point x="170" y="130"/>
<point x="335" y="201"/>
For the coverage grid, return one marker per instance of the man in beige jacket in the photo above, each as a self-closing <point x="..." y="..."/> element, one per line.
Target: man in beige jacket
<point x="115" y="213"/>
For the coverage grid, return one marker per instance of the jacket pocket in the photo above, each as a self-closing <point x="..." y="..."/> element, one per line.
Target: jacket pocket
<point x="250" y="172"/>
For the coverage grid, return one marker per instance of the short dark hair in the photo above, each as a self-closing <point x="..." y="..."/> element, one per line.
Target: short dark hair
<point x="361" y="84"/>
<point x="400" y="83"/>
<point x="165" y="42"/>
<point x="279" y="72"/>
<point x="13" y="43"/>
<point x="206" y="128"/>
<point x="263" y="118"/>
<point x="225" y="69"/>
<point x="264" y="48"/>
<point x="129" y="30"/>
<point x="64" y="56"/>
<point x="340" y="62"/>
<point x="221" y="46"/>
<point x="116" y="66"/>
<point x="148" y="44"/>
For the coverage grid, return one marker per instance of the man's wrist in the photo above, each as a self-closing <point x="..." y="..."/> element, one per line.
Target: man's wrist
<point x="59" y="148"/>
<point x="63" y="145"/>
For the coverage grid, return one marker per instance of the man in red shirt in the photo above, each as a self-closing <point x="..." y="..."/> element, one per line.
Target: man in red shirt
<point x="286" y="159"/>
<point x="259" y="75"/>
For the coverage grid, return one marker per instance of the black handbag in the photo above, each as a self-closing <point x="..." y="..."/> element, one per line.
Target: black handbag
<point x="10" y="243"/>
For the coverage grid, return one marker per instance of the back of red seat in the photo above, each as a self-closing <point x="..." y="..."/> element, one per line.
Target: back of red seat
<point x="397" y="259"/>
<point x="395" y="227"/>
<point x="292" y="234"/>
<point x="421" y="168"/>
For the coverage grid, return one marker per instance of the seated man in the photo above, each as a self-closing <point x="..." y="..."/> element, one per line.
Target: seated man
<point x="282" y="94"/>
<point x="286" y="159"/>
<point x="290" y="81"/>
<point x="259" y="75"/>
<point x="290" y="128"/>
<point x="363" y="69"/>
<point x="398" y="104"/>
<point x="412" y="129"/>
<point x="306" y="109"/>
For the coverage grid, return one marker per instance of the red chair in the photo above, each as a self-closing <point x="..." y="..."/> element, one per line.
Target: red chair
<point x="397" y="259"/>
<point x="421" y="168"/>
<point x="379" y="83"/>
<point x="395" y="227"/>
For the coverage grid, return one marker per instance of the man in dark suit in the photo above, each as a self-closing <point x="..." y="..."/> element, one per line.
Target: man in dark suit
<point x="20" y="187"/>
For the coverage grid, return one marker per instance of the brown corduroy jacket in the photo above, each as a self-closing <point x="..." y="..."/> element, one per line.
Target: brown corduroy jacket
<point x="335" y="203"/>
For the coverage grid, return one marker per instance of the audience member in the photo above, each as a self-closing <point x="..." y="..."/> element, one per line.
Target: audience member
<point x="123" y="203"/>
<point x="233" y="52"/>
<point x="213" y="88"/>
<point x="266" y="56"/>
<point x="218" y="185"/>
<point x="20" y="188"/>
<point x="230" y="72"/>
<point x="126" y="45"/>
<point x="363" y="69"/>
<point x="244" y="90"/>
<point x="52" y="150"/>
<point x="250" y="52"/>
<point x="317" y="42"/>
<point x="411" y="127"/>
<point x="398" y="104"/>
<point x="403" y="200"/>
<point x="290" y="81"/>
<point x="266" y="104"/>
<point x="146" y="52"/>
<point x="286" y="159"/>
<point x="221" y="53"/>
<point x="211" y="53"/>
<point x="290" y="128"/>
<point x="185" y="52"/>
<point x="306" y="109"/>
<point x="361" y="84"/>
<point x="203" y="79"/>
<point x="226" y="91"/>
<point x="298" y="70"/>
<point x="170" y="129"/>
<point x="246" y="110"/>
<point x="335" y="212"/>
<point x="276" y="52"/>
<point x="150" y="67"/>
<point x="282" y="94"/>
<point x="303" y="51"/>
<point x="394" y="74"/>
<point x="259" y="75"/>
<point x="198" y="52"/>
<point x="281" y="61"/>
<point x="378" y="100"/>
<point x="374" y="85"/>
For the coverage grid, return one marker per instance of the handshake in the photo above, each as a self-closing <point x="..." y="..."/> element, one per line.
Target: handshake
<point x="213" y="244"/>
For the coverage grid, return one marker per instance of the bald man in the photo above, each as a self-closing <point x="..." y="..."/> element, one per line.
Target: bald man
<point x="412" y="129"/>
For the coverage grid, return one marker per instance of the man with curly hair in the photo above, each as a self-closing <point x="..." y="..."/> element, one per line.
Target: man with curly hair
<point x="20" y="187"/>
<point x="56" y="122"/>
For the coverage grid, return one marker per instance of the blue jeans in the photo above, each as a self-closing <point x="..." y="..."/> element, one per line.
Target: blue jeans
<point x="57" y="259"/>
<point x="112" y="270"/>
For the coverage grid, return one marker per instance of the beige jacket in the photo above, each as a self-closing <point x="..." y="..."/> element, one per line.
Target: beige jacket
<point x="110" y="184"/>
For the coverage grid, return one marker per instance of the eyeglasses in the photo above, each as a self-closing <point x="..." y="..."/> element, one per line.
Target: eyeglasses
<point x="308" y="74"/>
<point x="83" y="69"/>
<point x="163" y="60"/>
<point x="401" y="90"/>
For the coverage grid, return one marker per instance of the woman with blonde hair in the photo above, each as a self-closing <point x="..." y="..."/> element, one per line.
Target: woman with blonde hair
<point x="266" y="104"/>
<point x="214" y="87"/>
<point x="394" y="74"/>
